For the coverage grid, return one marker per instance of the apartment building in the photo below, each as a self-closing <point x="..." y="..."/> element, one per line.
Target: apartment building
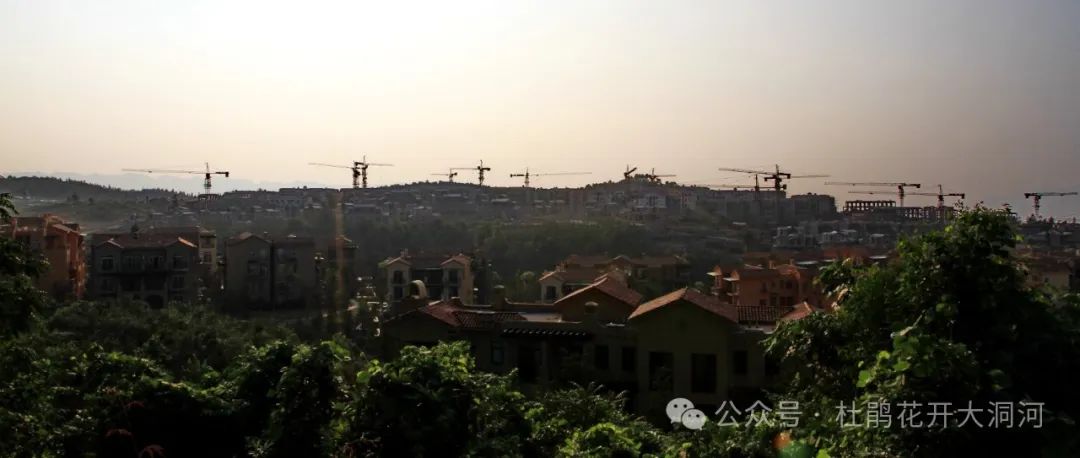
<point x="265" y="273"/>
<point x="61" y="244"/>
<point x="152" y="266"/>
<point x="444" y="277"/>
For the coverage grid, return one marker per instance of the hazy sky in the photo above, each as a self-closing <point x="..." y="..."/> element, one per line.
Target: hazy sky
<point x="983" y="95"/>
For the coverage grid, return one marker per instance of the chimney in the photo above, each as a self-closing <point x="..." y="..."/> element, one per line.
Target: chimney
<point x="498" y="297"/>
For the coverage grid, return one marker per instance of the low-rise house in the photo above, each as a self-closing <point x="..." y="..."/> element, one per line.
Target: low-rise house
<point x="773" y="285"/>
<point x="564" y="280"/>
<point x="269" y="274"/>
<point x="683" y="344"/>
<point x="666" y="272"/>
<point x="692" y="345"/>
<point x="61" y="244"/>
<point x="152" y="266"/>
<point x="343" y="264"/>
<point x="445" y="277"/>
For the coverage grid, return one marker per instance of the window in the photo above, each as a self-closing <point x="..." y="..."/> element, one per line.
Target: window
<point x="498" y="353"/>
<point x="661" y="365"/>
<point x="178" y="262"/>
<point x="132" y="263"/>
<point x="107" y="264"/>
<point x="157" y="262"/>
<point x="452" y="276"/>
<point x="178" y="282"/>
<point x="206" y="259"/>
<point x="601" y="357"/>
<point x="703" y="373"/>
<point x="740" y="362"/>
<point x="399" y="292"/>
<point x="629" y="359"/>
<point x="399" y="277"/>
<point x="550" y="293"/>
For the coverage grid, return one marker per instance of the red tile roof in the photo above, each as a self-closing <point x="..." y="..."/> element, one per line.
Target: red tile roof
<point x="800" y="311"/>
<point x="611" y="287"/>
<point x="460" y="258"/>
<point x="756" y="273"/>
<point x="691" y="296"/>
<point x="760" y="314"/>
<point x="462" y="317"/>
<point x="601" y="260"/>
<point x="575" y="275"/>
<point x="144" y="241"/>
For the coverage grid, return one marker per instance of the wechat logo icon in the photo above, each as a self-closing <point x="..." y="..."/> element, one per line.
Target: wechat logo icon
<point x="682" y="411"/>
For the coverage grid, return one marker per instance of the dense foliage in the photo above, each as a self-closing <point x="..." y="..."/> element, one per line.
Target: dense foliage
<point x="953" y="320"/>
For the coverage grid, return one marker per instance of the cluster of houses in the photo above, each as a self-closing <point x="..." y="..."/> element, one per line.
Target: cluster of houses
<point x="590" y="320"/>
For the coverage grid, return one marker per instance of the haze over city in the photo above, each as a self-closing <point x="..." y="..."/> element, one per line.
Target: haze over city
<point x="978" y="95"/>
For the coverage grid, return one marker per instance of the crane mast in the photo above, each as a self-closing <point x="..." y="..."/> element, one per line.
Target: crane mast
<point x="1036" y="198"/>
<point x="207" y="174"/>
<point x="900" y="187"/>
<point x="480" y="169"/>
<point x="527" y="174"/>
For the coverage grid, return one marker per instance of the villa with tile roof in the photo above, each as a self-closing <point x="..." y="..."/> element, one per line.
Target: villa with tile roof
<point x="682" y="344"/>
<point x="155" y="266"/>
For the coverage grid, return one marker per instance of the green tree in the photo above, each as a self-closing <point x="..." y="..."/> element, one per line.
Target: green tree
<point x="433" y="402"/>
<point x="951" y="320"/>
<point x="20" y="299"/>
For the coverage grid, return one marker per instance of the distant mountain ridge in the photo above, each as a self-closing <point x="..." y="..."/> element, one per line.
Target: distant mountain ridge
<point x="137" y="182"/>
<point x="45" y="187"/>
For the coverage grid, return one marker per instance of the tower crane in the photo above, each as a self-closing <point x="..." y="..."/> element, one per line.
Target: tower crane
<point x="449" y="176"/>
<point x="940" y="194"/>
<point x="480" y="169"/>
<point x="899" y="187"/>
<point x="1037" y="198"/>
<point x="756" y="187"/>
<point x="206" y="174"/>
<point x="528" y="174"/>
<point x="733" y="187"/>
<point x="359" y="170"/>
<point x="776" y="176"/>
<point x="653" y="177"/>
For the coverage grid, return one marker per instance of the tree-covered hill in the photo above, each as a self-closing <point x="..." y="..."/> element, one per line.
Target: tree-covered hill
<point x="52" y="188"/>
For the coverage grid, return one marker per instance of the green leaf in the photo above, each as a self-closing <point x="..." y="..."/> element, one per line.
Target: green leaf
<point x="901" y="366"/>
<point x="864" y="378"/>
